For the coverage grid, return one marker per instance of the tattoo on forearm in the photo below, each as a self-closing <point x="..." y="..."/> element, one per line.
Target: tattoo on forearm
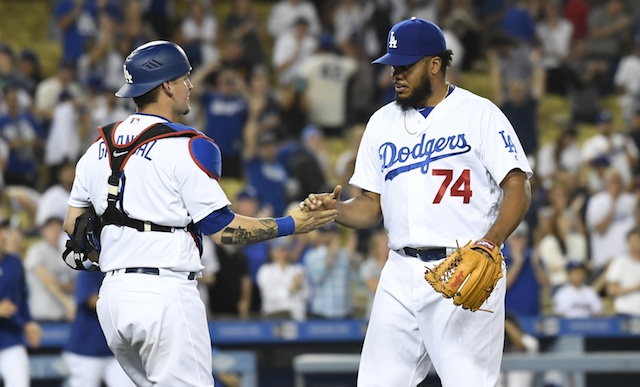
<point x="241" y="236"/>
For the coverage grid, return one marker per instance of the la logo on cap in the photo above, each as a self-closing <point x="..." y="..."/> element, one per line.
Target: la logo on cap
<point x="127" y="76"/>
<point x="393" y="42"/>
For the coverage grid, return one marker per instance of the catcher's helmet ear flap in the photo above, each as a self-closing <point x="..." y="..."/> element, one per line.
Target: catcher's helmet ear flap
<point x="151" y="64"/>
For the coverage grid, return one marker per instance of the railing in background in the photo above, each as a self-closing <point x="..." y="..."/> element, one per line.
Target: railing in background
<point x="266" y="332"/>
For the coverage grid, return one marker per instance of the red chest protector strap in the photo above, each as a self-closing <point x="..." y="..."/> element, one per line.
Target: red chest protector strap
<point x="118" y="157"/>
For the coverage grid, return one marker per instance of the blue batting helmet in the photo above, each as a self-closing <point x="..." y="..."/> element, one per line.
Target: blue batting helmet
<point x="151" y="64"/>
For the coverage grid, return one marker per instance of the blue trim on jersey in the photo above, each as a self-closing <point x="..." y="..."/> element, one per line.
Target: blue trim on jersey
<point x="180" y="128"/>
<point x="216" y="221"/>
<point x="207" y="156"/>
<point x="426" y="110"/>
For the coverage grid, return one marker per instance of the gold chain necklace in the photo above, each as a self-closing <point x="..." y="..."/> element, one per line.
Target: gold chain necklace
<point x="405" y="112"/>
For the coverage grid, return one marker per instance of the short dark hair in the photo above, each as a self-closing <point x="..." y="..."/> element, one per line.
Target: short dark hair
<point x="147" y="98"/>
<point x="446" y="57"/>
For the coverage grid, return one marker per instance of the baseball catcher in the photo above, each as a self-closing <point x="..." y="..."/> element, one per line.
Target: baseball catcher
<point x="468" y="275"/>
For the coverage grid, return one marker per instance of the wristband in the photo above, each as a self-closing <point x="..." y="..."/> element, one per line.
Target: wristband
<point x="286" y="226"/>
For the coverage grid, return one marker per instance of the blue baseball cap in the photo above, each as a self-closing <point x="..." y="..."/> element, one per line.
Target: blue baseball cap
<point x="411" y="40"/>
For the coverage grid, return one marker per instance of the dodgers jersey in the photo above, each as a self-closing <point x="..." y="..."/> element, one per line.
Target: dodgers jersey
<point x="160" y="183"/>
<point x="438" y="177"/>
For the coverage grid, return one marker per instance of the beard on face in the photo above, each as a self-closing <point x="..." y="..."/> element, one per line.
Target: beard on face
<point x="419" y="94"/>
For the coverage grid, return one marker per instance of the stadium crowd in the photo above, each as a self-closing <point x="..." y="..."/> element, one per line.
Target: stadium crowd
<point x="285" y="89"/>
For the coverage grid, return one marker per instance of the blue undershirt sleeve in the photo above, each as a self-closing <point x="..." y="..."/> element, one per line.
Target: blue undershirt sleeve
<point x="216" y="221"/>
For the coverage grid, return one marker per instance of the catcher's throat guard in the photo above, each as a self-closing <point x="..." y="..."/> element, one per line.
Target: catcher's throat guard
<point x="83" y="249"/>
<point x="468" y="275"/>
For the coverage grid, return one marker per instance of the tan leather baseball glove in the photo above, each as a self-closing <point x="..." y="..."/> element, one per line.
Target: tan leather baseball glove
<point x="467" y="275"/>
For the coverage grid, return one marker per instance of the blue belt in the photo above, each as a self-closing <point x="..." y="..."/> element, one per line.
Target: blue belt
<point x="153" y="271"/>
<point x="431" y="254"/>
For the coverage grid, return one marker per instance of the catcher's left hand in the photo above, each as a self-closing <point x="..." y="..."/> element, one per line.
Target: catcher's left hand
<point x="468" y="275"/>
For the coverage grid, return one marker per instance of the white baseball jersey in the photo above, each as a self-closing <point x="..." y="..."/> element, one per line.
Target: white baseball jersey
<point x="457" y="155"/>
<point x="161" y="184"/>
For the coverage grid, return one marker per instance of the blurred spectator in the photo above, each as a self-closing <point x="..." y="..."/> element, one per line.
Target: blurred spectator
<point x="609" y="217"/>
<point x="609" y="148"/>
<point x="159" y="15"/>
<point x="371" y="267"/>
<point x="247" y="203"/>
<point x="627" y="81"/>
<point x="634" y="134"/>
<point x="516" y="340"/>
<point x="623" y="277"/>
<point x="565" y="196"/>
<point x="16" y="323"/>
<point x="509" y="61"/>
<point x="283" y="285"/>
<point x="307" y="163"/>
<point x="518" y="94"/>
<point x="520" y="105"/>
<point x="577" y="12"/>
<point x="51" y="283"/>
<point x="263" y="99"/>
<point x="609" y="26"/>
<point x="211" y="267"/>
<point x="460" y="20"/>
<point x="291" y="50"/>
<point x="23" y="134"/>
<point x="325" y="77"/>
<point x="11" y="76"/>
<point x="425" y="9"/>
<point x="562" y="245"/>
<point x="14" y="241"/>
<point x="285" y="15"/>
<point x="293" y="110"/>
<point x="230" y="295"/>
<point x="346" y="160"/>
<point x="53" y="201"/>
<point x="576" y="299"/>
<point x="93" y="63"/>
<point x="103" y="107"/>
<point x="199" y="29"/>
<point x="226" y="111"/>
<point x="583" y="78"/>
<point x="29" y="69"/>
<point x="86" y="354"/>
<point x="222" y="370"/>
<point x="63" y="141"/>
<point x="348" y="22"/>
<point x="561" y="154"/>
<point x="518" y="21"/>
<point x="263" y="170"/>
<point x="134" y="30"/>
<point x="489" y="12"/>
<point x="48" y="91"/>
<point x="242" y="24"/>
<point x="554" y="35"/>
<point x="78" y="20"/>
<point x="329" y="269"/>
<point x="524" y="274"/>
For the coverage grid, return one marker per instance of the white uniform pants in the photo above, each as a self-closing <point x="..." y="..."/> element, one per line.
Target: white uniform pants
<point x="14" y="366"/>
<point x="411" y="326"/>
<point x="156" y="326"/>
<point x="90" y="371"/>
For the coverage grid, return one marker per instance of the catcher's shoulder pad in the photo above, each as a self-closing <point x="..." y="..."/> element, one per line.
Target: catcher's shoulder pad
<point x="206" y="154"/>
